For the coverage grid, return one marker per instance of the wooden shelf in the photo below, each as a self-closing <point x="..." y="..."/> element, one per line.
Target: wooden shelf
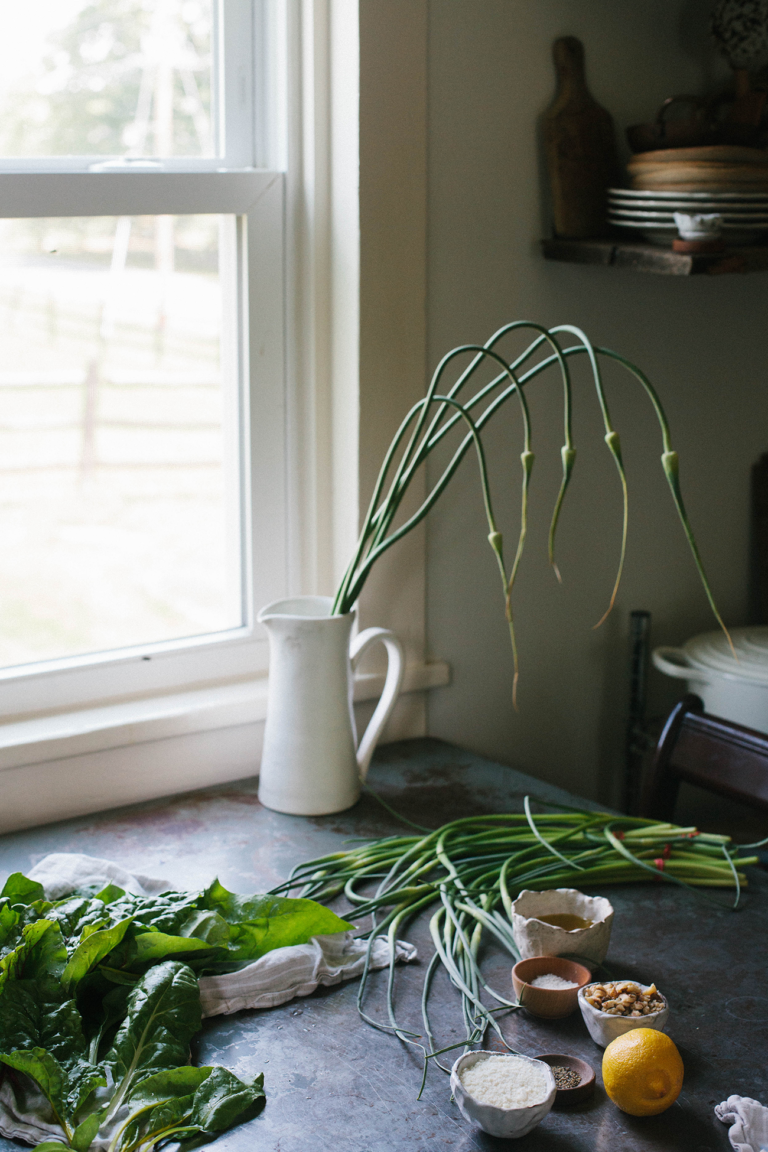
<point x="649" y="258"/>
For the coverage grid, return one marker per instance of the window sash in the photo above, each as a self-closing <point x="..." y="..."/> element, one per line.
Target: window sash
<point x="250" y="108"/>
<point x="135" y="193"/>
<point x="256" y="198"/>
<point x="246" y="34"/>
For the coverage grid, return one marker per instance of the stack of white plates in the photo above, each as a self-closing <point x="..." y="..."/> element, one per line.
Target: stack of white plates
<point x="745" y="214"/>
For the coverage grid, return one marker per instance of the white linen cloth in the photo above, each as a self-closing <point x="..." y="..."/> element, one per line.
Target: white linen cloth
<point x="61" y="872"/>
<point x="271" y="980"/>
<point x="748" y="1122"/>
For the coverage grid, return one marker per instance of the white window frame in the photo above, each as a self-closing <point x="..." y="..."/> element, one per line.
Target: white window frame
<point x="249" y="45"/>
<point x="316" y="239"/>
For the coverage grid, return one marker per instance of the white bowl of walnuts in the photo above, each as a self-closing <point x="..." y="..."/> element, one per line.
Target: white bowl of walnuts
<point x="612" y="1007"/>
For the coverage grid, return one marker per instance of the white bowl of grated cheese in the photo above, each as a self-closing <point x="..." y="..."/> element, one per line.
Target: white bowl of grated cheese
<point x="507" y="1095"/>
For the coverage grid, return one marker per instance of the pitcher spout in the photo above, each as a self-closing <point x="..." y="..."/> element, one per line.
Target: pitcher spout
<point x="304" y="607"/>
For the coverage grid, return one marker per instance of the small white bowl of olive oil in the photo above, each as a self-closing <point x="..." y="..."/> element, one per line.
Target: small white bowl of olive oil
<point x="562" y="922"/>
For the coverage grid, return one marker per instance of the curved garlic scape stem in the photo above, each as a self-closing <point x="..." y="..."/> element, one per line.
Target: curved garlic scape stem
<point x="431" y="419"/>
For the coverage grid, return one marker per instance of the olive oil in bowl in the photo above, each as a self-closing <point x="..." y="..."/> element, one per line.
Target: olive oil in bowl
<point x="567" y="920"/>
<point x="561" y="920"/>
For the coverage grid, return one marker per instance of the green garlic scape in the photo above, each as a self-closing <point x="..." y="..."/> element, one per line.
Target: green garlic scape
<point x="469" y="872"/>
<point x="433" y="417"/>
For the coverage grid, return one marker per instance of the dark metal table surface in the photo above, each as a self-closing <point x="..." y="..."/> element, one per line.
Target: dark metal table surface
<point x="335" y="1084"/>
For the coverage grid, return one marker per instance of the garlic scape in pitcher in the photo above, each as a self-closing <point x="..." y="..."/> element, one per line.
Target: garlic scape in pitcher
<point x="469" y="404"/>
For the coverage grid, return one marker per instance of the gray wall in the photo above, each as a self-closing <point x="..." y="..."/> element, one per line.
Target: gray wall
<point x="702" y="341"/>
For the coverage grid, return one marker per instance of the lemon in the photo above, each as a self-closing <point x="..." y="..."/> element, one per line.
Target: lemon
<point x="642" y="1072"/>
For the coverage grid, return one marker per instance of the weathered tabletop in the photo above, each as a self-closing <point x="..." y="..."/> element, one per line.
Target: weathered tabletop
<point x="333" y="1083"/>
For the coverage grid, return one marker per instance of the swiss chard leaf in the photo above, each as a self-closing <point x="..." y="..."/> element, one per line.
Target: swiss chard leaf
<point x="166" y="913"/>
<point x="258" y="924"/>
<point x="222" y="1100"/>
<point x="31" y="1019"/>
<point x="162" y="1015"/>
<point x="85" y="1133"/>
<point x="111" y="893"/>
<point x="75" y="914"/>
<point x="9" y="921"/>
<point x="214" y="930"/>
<point x="206" y="924"/>
<point x="156" y="1093"/>
<point x="155" y="1123"/>
<point x="93" y="948"/>
<point x="36" y="950"/>
<point x="187" y="1101"/>
<point x="160" y="1102"/>
<point x="47" y="1073"/>
<point x="41" y="1031"/>
<point x="65" y="1086"/>
<point x="153" y="946"/>
<point x="20" y="890"/>
<point x="153" y="1092"/>
<point x="65" y="1089"/>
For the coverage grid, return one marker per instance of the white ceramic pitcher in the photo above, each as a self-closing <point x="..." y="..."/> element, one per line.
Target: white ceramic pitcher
<point x="311" y="764"/>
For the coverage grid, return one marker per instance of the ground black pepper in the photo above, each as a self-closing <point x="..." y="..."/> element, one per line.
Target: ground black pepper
<point x="565" y="1077"/>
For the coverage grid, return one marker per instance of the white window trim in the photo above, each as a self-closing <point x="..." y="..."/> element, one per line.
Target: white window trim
<point x="197" y="717"/>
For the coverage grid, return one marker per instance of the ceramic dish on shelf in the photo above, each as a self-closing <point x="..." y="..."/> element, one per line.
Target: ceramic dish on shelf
<point x="707" y="153"/>
<point x="725" y="168"/>
<point x="733" y="216"/>
<point x="728" y="211"/>
<point x="731" y="205"/>
<point x="662" y="235"/>
<point x="642" y="194"/>
<point x="659" y="227"/>
<point x="744" y="215"/>
<point x="651" y="208"/>
<point x="753" y="220"/>
<point x="652" y="183"/>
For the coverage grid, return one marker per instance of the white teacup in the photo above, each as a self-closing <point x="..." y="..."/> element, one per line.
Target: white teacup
<point x="700" y="226"/>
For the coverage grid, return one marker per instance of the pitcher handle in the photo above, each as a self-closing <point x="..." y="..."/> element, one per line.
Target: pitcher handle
<point x="392" y="686"/>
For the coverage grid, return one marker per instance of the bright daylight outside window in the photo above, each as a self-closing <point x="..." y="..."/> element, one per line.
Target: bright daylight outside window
<point x="113" y="493"/>
<point x="120" y="425"/>
<point x="107" y="77"/>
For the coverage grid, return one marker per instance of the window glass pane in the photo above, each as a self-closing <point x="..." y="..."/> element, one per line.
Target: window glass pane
<point x="119" y="505"/>
<point x="106" y="78"/>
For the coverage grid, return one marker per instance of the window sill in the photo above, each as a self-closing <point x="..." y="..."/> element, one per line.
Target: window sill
<point x="161" y="717"/>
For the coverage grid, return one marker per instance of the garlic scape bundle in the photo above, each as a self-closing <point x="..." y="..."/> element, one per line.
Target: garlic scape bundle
<point x="432" y="419"/>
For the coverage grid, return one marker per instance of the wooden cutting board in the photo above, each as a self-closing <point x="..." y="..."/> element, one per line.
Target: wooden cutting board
<point x="580" y="147"/>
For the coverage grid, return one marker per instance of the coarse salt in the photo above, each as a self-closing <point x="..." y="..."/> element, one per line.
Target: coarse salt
<point x="506" y="1082"/>
<point x="549" y="980"/>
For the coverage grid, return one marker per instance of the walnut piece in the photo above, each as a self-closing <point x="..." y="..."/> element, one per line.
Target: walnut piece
<point x="624" y="998"/>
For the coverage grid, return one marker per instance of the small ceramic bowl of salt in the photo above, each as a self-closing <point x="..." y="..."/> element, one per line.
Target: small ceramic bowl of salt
<point x="506" y="1094"/>
<point x="548" y="986"/>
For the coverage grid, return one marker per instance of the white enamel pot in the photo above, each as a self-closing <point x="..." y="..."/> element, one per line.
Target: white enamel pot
<point x="733" y="687"/>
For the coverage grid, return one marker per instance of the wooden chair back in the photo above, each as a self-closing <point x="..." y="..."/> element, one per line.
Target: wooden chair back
<point x="711" y="753"/>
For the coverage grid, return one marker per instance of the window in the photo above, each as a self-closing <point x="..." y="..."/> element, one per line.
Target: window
<point x="141" y="319"/>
